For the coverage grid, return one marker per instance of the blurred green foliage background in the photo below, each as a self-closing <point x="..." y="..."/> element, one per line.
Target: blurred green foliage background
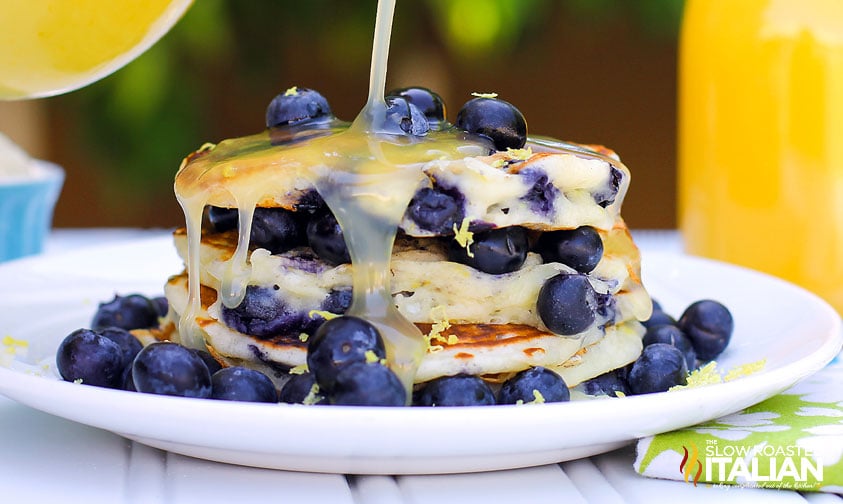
<point x="595" y="71"/>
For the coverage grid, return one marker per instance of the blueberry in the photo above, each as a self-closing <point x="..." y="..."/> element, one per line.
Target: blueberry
<point x="276" y="229"/>
<point x="658" y="318"/>
<point x="429" y="103"/>
<point x="263" y="314"/>
<point x="495" y="119"/>
<point x="580" y="248"/>
<point x="610" y="384"/>
<point x="162" y="305"/>
<point x="337" y="344"/>
<point x="709" y="326"/>
<point x="672" y="335"/>
<point x="435" y="210"/>
<point x="92" y="358"/>
<point x="223" y="219"/>
<point x="567" y="303"/>
<point x="529" y="384"/>
<point x="295" y="106"/>
<point x="405" y="116"/>
<point x="238" y="383"/>
<point x="542" y="195"/>
<point x="134" y="311"/>
<point x="326" y="238"/>
<point x="338" y="301"/>
<point x="298" y="388"/>
<point x="170" y="369"/>
<point x="368" y="384"/>
<point x="210" y="362"/>
<point x="659" y="367"/>
<point x="458" y="390"/>
<point x="129" y="345"/>
<point x="497" y="251"/>
<point x="607" y="195"/>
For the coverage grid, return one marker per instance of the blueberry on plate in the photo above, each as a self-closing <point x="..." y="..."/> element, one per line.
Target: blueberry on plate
<point x="537" y="384"/>
<point x="672" y="335"/>
<point x="210" y="362"/>
<point x="709" y="325"/>
<point x="295" y="106"/>
<point x="134" y="311"/>
<point x="435" y="210"/>
<point x="92" y="358"/>
<point x="404" y="117"/>
<point x="326" y="238"/>
<point x="567" y="304"/>
<point x="612" y="383"/>
<point x="497" y="251"/>
<point x="162" y="305"/>
<point x="659" y="317"/>
<point x="495" y="119"/>
<point x="129" y="345"/>
<point x="339" y="343"/>
<point x="168" y="368"/>
<point x="263" y="313"/>
<point x="237" y="383"/>
<point x="580" y="248"/>
<point x="299" y="388"/>
<point x="457" y="390"/>
<point x="659" y="367"/>
<point x="368" y="384"/>
<point x="429" y="103"/>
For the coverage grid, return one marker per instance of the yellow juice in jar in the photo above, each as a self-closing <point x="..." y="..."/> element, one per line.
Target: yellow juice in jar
<point x="761" y="137"/>
<point x="52" y="46"/>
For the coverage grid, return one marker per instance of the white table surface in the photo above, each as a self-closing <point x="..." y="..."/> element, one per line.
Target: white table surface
<point x="45" y="459"/>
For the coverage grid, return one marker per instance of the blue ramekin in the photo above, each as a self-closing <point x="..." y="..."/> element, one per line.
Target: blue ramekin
<point x="26" y="210"/>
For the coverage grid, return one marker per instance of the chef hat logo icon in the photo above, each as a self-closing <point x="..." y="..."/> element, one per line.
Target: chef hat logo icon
<point x="691" y="465"/>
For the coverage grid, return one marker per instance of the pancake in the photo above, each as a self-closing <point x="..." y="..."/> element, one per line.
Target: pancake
<point x="476" y="323"/>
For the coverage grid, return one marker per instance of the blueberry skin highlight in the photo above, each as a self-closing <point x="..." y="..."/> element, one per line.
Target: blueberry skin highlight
<point x="457" y="390"/>
<point x="403" y="117"/>
<point x="672" y="335"/>
<point x="297" y="105"/>
<point x="496" y="252"/>
<point x="238" y="383"/>
<point x="709" y="325"/>
<point x="339" y="343"/>
<point x="90" y="357"/>
<point x="567" y="304"/>
<point x="129" y="345"/>
<point x="435" y="210"/>
<point x="134" y="311"/>
<point x="608" y="384"/>
<point x="580" y="248"/>
<point x="429" y="103"/>
<point x="326" y="238"/>
<point x="367" y="384"/>
<point x="495" y="119"/>
<point x="659" y="367"/>
<point x="170" y="369"/>
<point x="521" y="387"/>
<point x="297" y="388"/>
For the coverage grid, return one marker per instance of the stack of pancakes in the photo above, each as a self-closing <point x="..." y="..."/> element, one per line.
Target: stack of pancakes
<point x="477" y="323"/>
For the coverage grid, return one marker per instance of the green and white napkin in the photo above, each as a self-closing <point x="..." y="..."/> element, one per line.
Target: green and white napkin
<point x="791" y="441"/>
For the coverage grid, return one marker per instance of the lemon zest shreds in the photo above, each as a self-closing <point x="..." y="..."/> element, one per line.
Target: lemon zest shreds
<point x="499" y="163"/>
<point x="312" y="396"/>
<point x="371" y="357"/>
<point x="484" y="95"/>
<point x="78" y="381"/>
<point x="440" y="324"/>
<point x="463" y="236"/>
<point x="322" y="313"/>
<point x="303" y="337"/>
<point x="618" y="393"/>
<point x="519" y="154"/>
<point x="538" y="398"/>
<point x="435" y="348"/>
<point x="745" y="370"/>
<point x="706" y="375"/>
<point x="452" y="339"/>
<point x="293" y="91"/>
<point x="300" y="369"/>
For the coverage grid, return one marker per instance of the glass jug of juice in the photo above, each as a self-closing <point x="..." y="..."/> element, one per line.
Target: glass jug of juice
<point x="761" y="137"/>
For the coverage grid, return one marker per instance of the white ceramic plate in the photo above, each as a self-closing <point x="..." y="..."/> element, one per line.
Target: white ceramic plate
<point x="44" y="299"/>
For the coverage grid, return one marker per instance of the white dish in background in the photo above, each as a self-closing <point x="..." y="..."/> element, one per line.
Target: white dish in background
<point x="46" y="298"/>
